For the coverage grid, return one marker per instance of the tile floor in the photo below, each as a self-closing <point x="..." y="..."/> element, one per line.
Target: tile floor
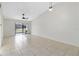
<point x="30" y="45"/>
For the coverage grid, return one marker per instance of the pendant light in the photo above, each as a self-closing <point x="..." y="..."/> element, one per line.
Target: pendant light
<point x="50" y="6"/>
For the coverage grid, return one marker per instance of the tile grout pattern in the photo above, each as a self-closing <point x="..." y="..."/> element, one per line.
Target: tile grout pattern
<point x="30" y="45"/>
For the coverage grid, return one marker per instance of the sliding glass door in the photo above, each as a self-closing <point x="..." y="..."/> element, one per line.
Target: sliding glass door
<point x="23" y="28"/>
<point x="20" y="28"/>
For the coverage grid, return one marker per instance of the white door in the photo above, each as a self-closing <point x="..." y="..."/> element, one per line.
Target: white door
<point x="0" y="18"/>
<point x="0" y="34"/>
<point x="1" y="28"/>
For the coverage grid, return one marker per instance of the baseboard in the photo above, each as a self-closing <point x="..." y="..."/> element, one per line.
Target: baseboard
<point x="8" y="36"/>
<point x="55" y="39"/>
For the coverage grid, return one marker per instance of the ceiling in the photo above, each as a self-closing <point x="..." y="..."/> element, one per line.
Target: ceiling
<point x="30" y="9"/>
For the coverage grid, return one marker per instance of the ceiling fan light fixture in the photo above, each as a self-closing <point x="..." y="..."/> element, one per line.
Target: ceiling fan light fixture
<point x="23" y="17"/>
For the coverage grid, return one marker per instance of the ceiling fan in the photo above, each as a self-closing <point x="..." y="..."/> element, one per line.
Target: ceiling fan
<point x="23" y="16"/>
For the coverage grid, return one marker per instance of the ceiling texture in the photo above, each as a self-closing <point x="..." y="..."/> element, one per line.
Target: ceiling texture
<point x="14" y="10"/>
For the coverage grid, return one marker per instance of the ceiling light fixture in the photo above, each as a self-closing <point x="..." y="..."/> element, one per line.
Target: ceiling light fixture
<point x="23" y="16"/>
<point x="50" y="6"/>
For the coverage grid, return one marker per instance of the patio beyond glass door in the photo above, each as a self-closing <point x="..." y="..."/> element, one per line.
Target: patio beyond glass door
<point x="24" y="28"/>
<point x="20" y="28"/>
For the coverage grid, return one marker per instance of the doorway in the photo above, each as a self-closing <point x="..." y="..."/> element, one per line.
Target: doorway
<point x="22" y="28"/>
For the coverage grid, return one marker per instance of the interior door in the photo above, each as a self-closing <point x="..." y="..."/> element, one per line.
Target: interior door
<point x="0" y="34"/>
<point x="1" y="28"/>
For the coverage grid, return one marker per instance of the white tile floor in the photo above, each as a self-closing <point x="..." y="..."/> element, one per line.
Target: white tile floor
<point x="30" y="45"/>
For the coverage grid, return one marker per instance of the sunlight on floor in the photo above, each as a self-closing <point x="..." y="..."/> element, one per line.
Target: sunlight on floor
<point x="20" y="39"/>
<point x="30" y="45"/>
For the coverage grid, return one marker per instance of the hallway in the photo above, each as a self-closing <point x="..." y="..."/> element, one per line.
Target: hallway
<point x="30" y="45"/>
<point x="28" y="30"/>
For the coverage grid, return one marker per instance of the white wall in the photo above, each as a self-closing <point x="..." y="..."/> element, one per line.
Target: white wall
<point x="9" y="26"/>
<point x="62" y="24"/>
<point x="1" y="27"/>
